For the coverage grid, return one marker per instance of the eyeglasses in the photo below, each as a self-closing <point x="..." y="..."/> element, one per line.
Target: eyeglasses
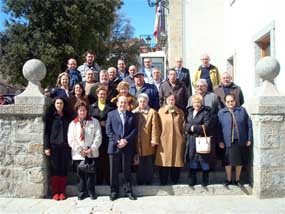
<point x="200" y="86"/>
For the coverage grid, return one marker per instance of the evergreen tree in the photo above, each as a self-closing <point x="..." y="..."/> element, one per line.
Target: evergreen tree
<point x="53" y="31"/>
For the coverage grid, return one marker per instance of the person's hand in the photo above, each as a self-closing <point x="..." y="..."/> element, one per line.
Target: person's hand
<point x="83" y="153"/>
<point x="248" y="143"/>
<point x="88" y="151"/>
<point x="192" y="128"/>
<point x="103" y="123"/>
<point x="221" y="145"/>
<point x="122" y="143"/>
<point x="47" y="152"/>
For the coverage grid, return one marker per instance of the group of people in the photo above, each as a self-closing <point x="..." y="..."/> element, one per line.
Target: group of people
<point x="114" y="120"/>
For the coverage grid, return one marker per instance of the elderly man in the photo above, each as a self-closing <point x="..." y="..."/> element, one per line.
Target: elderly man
<point x="121" y="72"/>
<point x="208" y="72"/>
<point x="141" y="86"/>
<point x="113" y="78"/>
<point x="132" y="71"/>
<point x="147" y="70"/>
<point x="210" y="99"/>
<point x="157" y="80"/>
<point x="173" y="86"/>
<point x="183" y="74"/>
<point x="121" y="130"/>
<point x="103" y="81"/>
<point x="89" y="64"/>
<point x="74" y="74"/>
<point x="227" y="86"/>
<point x="89" y="81"/>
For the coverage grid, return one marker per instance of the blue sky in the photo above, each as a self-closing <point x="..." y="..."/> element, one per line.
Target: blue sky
<point x="138" y="11"/>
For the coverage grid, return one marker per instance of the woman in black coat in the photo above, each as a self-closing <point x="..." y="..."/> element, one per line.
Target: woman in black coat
<point x="197" y="116"/>
<point x="99" y="110"/>
<point x="56" y="147"/>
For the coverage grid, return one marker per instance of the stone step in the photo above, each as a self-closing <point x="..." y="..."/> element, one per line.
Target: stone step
<point x="177" y="190"/>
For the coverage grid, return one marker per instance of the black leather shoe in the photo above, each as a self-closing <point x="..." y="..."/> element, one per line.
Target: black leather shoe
<point x="131" y="196"/>
<point x="227" y="183"/>
<point x="239" y="184"/>
<point x="113" y="196"/>
<point x="93" y="196"/>
<point x="81" y="196"/>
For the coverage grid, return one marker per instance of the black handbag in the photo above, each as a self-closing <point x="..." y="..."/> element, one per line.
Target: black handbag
<point x="88" y="165"/>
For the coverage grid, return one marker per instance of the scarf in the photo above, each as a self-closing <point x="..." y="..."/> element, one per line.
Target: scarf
<point x="234" y="126"/>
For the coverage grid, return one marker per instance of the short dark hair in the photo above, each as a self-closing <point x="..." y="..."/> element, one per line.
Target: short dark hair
<point x="230" y="95"/>
<point x="80" y="103"/>
<point x="89" y="52"/>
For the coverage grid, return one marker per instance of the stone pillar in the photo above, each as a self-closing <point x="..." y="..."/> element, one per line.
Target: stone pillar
<point x="23" y="169"/>
<point x="268" y="115"/>
<point x="175" y="31"/>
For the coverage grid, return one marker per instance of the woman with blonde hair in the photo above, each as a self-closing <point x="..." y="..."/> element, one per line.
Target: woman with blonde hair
<point x="123" y="89"/>
<point x="62" y="86"/>
<point x="197" y="124"/>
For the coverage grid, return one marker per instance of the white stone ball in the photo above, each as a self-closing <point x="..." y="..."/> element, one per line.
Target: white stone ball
<point x="34" y="70"/>
<point x="267" y="68"/>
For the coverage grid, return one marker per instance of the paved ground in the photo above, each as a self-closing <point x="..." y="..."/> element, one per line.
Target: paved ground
<point x="149" y="205"/>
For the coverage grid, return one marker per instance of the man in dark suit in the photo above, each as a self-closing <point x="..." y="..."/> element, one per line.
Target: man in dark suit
<point x="121" y="130"/>
<point x="183" y="74"/>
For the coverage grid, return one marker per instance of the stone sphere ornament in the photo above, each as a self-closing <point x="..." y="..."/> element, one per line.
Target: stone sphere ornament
<point x="267" y="68"/>
<point x="34" y="70"/>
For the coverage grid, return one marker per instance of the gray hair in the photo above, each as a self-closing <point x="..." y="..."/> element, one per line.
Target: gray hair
<point x="203" y="81"/>
<point x="144" y="96"/>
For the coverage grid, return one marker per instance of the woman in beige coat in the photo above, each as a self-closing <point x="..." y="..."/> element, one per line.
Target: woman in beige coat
<point x="147" y="139"/>
<point x="170" y="151"/>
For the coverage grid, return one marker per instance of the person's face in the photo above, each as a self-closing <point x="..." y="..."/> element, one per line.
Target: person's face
<point x="139" y="80"/>
<point x="102" y="95"/>
<point x="172" y="76"/>
<point x="90" y="58"/>
<point x="72" y="64"/>
<point x="82" y="112"/>
<point x="59" y="105"/>
<point x="170" y="101"/>
<point x="122" y="104"/>
<point x="156" y="75"/>
<point x="112" y="74"/>
<point x="205" y="61"/>
<point x="124" y="91"/>
<point x="143" y="103"/>
<point x="64" y="81"/>
<point x="230" y="102"/>
<point x="132" y="70"/>
<point x="89" y="76"/>
<point x="147" y="63"/>
<point x="78" y="90"/>
<point x="226" y="79"/>
<point x="196" y="105"/>
<point x="178" y="63"/>
<point x="121" y="65"/>
<point x="201" y="88"/>
<point x="104" y="78"/>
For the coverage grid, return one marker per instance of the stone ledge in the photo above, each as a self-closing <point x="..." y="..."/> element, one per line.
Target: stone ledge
<point x="180" y="190"/>
<point x="36" y="109"/>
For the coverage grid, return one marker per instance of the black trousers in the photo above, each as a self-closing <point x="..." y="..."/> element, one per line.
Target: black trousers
<point x="116" y="161"/>
<point x="145" y="170"/>
<point x="102" y="167"/>
<point x="164" y="173"/>
<point x="86" y="183"/>
<point x="59" y="160"/>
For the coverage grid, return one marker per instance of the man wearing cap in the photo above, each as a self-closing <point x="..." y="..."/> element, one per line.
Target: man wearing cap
<point x="141" y="86"/>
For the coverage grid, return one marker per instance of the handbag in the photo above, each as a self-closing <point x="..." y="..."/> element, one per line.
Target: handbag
<point x="87" y="165"/>
<point x="203" y="144"/>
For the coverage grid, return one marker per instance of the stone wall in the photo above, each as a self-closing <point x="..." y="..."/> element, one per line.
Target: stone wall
<point x="23" y="170"/>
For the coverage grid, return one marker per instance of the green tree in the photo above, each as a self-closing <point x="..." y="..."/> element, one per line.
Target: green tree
<point x="121" y="44"/>
<point x="53" y="31"/>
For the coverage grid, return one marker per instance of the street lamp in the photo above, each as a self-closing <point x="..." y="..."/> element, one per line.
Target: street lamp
<point x="148" y="41"/>
<point x="153" y="3"/>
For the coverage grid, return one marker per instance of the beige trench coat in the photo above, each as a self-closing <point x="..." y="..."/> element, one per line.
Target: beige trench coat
<point x="170" y="151"/>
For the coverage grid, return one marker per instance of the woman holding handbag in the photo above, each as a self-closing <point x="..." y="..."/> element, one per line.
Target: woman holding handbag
<point x="84" y="137"/>
<point x="197" y="125"/>
<point x="56" y="147"/>
<point x="237" y="136"/>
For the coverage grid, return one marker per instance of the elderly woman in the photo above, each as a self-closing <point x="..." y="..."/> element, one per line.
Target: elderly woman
<point x="147" y="139"/>
<point x="84" y="137"/>
<point x="100" y="110"/>
<point x="170" y="151"/>
<point x="62" y="86"/>
<point x="236" y="128"/>
<point x="197" y="116"/>
<point x="123" y="89"/>
<point x="56" y="147"/>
